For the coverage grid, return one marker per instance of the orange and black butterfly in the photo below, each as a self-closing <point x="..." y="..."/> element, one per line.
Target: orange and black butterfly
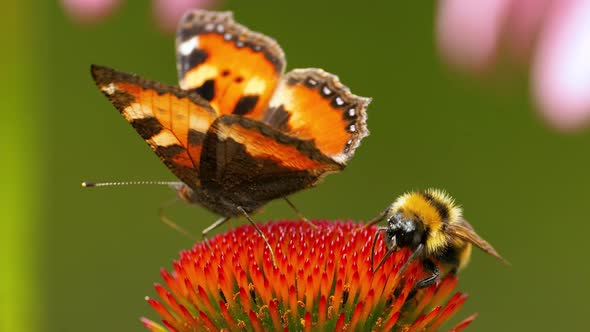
<point x="238" y="132"/>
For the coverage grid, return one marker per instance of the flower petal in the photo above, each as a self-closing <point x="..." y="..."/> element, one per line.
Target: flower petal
<point x="561" y="70"/>
<point x="525" y="20"/>
<point x="89" y="11"/>
<point x="322" y="281"/>
<point x="169" y="12"/>
<point x="468" y="31"/>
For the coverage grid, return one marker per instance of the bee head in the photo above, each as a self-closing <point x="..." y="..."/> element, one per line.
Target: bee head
<point x="403" y="231"/>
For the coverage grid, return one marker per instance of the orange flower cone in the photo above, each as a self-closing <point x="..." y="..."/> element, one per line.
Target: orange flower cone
<point x="322" y="282"/>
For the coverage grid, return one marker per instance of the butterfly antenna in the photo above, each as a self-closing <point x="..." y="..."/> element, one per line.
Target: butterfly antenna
<point x="87" y="184"/>
<point x="163" y="217"/>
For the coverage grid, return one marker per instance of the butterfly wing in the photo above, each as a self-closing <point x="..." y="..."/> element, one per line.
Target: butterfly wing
<point x="235" y="69"/>
<point x="463" y="230"/>
<point x="251" y="159"/>
<point x="171" y="120"/>
<point x="312" y="104"/>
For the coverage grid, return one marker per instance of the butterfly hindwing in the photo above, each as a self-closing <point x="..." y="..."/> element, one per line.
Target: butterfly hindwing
<point x="235" y="69"/>
<point x="247" y="157"/>
<point x="171" y="120"/>
<point x="313" y="104"/>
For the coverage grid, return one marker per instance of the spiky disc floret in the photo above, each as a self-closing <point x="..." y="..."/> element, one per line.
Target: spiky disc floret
<point x="322" y="282"/>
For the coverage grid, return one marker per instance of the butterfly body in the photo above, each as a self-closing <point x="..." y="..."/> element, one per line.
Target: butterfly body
<point x="238" y="132"/>
<point x="218" y="201"/>
<point x="233" y="178"/>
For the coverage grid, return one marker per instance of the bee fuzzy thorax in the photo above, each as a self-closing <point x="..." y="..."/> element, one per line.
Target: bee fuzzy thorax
<point x="432" y="226"/>
<point x="434" y="208"/>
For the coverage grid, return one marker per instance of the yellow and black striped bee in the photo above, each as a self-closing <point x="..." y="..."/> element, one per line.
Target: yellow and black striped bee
<point x="432" y="226"/>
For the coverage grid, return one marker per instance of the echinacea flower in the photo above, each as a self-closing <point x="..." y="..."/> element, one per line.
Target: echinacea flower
<point x="166" y="12"/>
<point x="322" y="281"/>
<point x="550" y="34"/>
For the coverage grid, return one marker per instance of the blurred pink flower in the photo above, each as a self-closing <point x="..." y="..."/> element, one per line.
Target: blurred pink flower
<point x="89" y="11"/>
<point x="166" y="12"/>
<point x="553" y="35"/>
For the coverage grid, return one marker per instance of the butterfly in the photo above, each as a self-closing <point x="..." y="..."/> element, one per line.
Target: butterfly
<point x="238" y="132"/>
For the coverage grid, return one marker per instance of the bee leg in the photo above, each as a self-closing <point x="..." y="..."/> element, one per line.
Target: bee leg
<point x="387" y="254"/>
<point x="430" y="267"/>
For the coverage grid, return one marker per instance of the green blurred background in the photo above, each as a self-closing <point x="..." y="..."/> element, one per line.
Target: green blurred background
<point x="82" y="260"/>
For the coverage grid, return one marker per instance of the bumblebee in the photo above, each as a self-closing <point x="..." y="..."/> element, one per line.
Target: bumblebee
<point x="432" y="226"/>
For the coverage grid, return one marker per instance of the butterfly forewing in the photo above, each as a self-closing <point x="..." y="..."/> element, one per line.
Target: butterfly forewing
<point x="172" y="121"/>
<point x="235" y="69"/>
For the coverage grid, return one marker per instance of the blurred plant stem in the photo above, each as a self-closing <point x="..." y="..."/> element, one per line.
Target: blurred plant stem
<point x="19" y="236"/>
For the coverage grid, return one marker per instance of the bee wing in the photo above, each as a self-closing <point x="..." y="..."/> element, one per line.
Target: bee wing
<point x="463" y="230"/>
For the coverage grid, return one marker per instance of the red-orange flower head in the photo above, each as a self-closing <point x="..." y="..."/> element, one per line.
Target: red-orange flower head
<point x="322" y="282"/>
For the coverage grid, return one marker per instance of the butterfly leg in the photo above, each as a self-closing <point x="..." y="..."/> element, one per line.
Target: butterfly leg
<point x="213" y="226"/>
<point x="272" y="253"/>
<point x="171" y="223"/>
<point x="299" y="214"/>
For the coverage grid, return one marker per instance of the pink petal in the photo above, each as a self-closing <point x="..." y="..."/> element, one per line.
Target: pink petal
<point x="468" y="31"/>
<point x="89" y="11"/>
<point x="526" y="18"/>
<point x="561" y="70"/>
<point x="169" y="12"/>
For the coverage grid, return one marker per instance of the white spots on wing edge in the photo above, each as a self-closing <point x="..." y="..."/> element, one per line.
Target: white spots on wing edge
<point x="340" y="158"/>
<point x="109" y="89"/>
<point x="186" y="47"/>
